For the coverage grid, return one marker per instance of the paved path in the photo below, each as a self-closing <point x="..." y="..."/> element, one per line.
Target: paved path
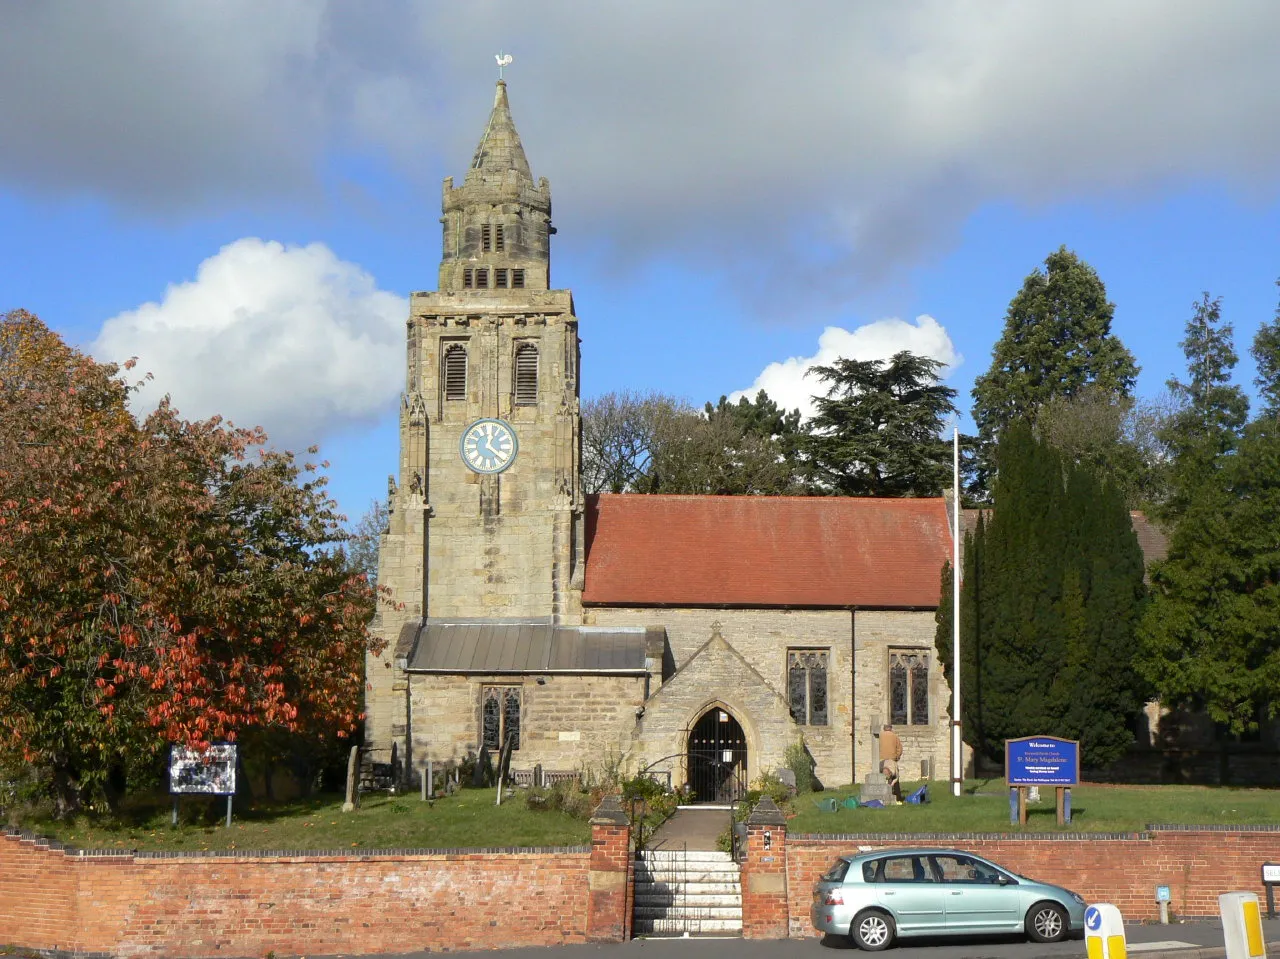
<point x="691" y="829"/>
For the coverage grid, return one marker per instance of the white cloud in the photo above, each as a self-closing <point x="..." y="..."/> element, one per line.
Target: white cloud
<point x="789" y="387"/>
<point x="285" y="337"/>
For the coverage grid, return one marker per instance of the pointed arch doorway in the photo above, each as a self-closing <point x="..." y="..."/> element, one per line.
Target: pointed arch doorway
<point x="717" y="758"/>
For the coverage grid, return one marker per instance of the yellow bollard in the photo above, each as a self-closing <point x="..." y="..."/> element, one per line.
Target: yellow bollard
<point x="1104" y="932"/>
<point x="1242" y="925"/>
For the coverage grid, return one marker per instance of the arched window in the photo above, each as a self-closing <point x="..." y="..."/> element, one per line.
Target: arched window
<point x="526" y="374"/>
<point x="807" y="686"/>
<point x="908" y="688"/>
<point x="454" y="373"/>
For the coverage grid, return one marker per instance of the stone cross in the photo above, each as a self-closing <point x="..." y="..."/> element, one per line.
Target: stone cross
<point x="875" y="744"/>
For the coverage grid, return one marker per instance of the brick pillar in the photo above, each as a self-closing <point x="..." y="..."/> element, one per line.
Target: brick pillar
<point x="764" y="874"/>
<point x="609" y="881"/>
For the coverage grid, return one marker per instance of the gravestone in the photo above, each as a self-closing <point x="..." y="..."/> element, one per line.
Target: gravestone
<point x="353" y="789"/>
<point x="876" y="784"/>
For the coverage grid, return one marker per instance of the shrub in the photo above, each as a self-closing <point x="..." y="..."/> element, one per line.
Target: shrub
<point x="649" y="804"/>
<point x="801" y="764"/>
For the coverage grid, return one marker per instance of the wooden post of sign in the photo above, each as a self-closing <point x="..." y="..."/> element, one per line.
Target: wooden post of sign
<point x="1061" y="804"/>
<point x="1022" y="805"/>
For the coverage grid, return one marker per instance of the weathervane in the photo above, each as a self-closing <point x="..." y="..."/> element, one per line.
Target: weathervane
<point x="503" y="60"/>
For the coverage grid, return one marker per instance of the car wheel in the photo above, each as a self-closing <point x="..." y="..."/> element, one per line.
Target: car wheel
<point x="872" y="930"/>
<point x="1046" y="922"/>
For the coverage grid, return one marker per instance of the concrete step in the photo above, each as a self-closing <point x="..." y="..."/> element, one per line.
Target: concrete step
<point x="688" y="888"/>
<point x="687" y="892"/>
<point x="687" y="875"/>
<point x="679" y="927"/>
<point x="731" y="900"/>
<point x="726" y="910"/>
<point x="684" y="855"/>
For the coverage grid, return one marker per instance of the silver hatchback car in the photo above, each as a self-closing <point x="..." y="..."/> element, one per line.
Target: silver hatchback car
<point x="876" y="897"/>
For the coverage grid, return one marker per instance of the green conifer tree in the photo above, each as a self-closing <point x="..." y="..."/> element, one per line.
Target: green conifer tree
<point x="1050" y="599"/>
<point x="1211" y="636"/>
<point x="1057" y="341"/>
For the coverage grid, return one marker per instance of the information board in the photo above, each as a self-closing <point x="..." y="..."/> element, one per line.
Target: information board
<point x="1042" y="761"/>
<point x="211" y="773"/>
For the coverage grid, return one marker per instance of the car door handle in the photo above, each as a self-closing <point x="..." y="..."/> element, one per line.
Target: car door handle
<point x="957" y="892"/>
<point x="888" y="892"/>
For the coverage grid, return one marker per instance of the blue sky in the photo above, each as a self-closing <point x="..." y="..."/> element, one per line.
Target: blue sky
<point x="243" y="194"/>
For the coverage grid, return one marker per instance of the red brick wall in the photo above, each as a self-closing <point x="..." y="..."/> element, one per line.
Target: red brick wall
<point x="609" y="902"/>
<point x="204" y="906"/>
<point x="38" y="895"/>
<point x="1196" y="864"/>
<point x="764" y="889"/>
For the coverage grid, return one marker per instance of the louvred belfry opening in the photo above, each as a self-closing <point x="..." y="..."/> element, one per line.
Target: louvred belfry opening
<point x="526" y="375"/>
<point x="455" y="373"/>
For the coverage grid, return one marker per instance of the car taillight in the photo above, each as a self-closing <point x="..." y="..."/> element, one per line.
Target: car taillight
<point x="833" y="899"/>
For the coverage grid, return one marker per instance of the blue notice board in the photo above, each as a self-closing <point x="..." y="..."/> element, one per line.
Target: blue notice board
<point x="1042" y="761"/>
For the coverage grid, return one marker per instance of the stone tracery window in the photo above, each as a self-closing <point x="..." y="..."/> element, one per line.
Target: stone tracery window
<point x="807" y="686"/>
<point x="908" y="687"/>
<point x="500" y="716"/>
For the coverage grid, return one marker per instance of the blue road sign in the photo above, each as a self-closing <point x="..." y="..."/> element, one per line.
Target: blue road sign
<point x="1093" y="918"/>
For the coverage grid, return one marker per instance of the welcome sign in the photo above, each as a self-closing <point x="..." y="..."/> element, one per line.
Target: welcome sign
<point x="1042" y="761"/>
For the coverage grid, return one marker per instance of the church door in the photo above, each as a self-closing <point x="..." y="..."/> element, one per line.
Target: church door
<point x="717" y="758"/>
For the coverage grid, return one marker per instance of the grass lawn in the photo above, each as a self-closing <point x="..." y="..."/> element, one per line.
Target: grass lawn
<point x="466" y="819"/>
<point x="984" y="807"/>
<point x="470" y="819"/>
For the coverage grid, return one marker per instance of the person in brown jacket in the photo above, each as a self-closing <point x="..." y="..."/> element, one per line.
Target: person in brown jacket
<point x="890" y="754"/>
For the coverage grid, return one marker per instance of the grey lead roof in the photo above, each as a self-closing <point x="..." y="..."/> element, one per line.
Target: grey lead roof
<point x="526" y="648"/>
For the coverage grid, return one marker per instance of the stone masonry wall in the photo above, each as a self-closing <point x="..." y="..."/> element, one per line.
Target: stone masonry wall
<point x="566" y="722"/>
<point x="717" y="677"/>
<point x="493" y="538"/>
<point x="842" y="749"/>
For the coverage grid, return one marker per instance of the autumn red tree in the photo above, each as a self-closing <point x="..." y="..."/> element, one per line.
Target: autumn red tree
<point x="161" y="581"/>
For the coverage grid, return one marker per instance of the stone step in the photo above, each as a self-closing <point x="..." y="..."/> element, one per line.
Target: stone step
<point x="698" y="874"/>
<point x="688" y="888"/>
<point x="684" y="855"/>
<point x="679" y="927"/>
<point x="706" y="901"/>
<point x="724" y="910"/>
<point x="690" y="915"/>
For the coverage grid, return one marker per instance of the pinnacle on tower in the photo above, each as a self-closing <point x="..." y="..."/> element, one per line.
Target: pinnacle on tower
<point x="500" y="149"/>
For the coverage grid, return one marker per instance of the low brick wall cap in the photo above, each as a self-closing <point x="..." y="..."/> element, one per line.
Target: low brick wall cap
<point x="609" y="813"/>
<point x="766" y="813"/>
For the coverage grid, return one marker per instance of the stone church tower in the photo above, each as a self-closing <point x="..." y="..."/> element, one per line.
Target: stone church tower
<point x="486" y="512"/>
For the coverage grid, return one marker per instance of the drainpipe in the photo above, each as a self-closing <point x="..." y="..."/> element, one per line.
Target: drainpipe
<point x="853" y="695"/>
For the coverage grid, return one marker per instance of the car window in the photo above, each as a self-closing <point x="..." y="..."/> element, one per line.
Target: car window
<point x="837" y="871"/>
<point x="965" y="869"/>
<point x="907" y="869"/>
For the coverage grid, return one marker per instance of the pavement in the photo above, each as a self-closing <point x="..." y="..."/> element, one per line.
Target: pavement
<point x="1186" y="940"/>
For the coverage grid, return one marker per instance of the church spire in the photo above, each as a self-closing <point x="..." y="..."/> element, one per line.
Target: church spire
<point x="497" y="225"/>
<point x="500" y="149"/>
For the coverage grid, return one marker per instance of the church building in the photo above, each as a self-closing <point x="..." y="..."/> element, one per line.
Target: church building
<point x="693" y="637"/>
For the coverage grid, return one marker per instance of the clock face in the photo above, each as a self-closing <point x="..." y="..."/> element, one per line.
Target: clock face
<point x="488" y="446"/>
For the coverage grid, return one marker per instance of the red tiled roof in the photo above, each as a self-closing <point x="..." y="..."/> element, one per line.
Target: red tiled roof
<point x="799" y="551"/>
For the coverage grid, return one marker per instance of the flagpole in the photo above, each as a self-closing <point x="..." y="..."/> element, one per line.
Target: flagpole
<point x="957" y="747"/>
